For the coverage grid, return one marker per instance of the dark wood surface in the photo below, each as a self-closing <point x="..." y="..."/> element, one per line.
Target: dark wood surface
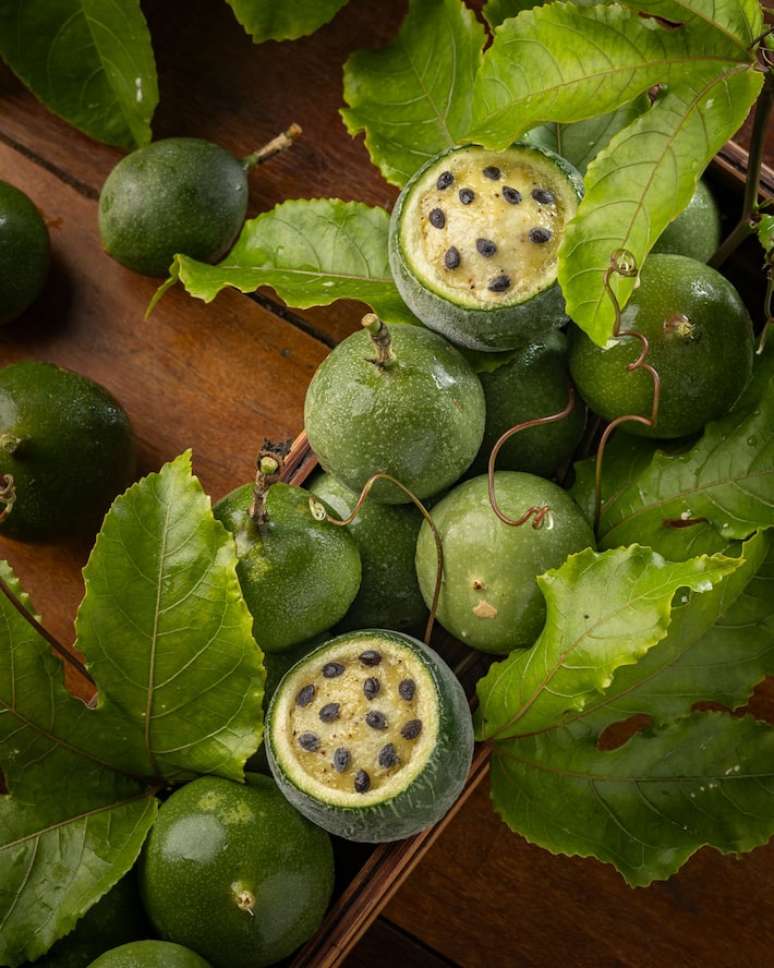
<point x="219" y="378"/>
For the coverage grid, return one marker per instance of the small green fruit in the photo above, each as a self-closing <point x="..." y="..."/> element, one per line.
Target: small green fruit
<point x="489" y="596"/>
<point x="235" y="872"/>
<point x="402" y="402"/>
<point x="701" y="344"/>
<point x="68" y="446"/>
<point x="150" y="954"/>
<point x="696" y="230"/>
<point x="24" y="252"/>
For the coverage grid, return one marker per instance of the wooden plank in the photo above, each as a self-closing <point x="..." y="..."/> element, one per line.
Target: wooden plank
<point x="386" y="945"/>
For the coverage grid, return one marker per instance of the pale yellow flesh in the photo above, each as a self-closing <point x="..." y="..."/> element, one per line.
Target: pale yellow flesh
<point x="313" y="772"/>
<point x="530" y="266"/>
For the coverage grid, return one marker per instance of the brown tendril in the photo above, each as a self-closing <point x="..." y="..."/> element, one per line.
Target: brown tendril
<point x="7" y="496"/>
<point x="320" y="514"/>
<point x="623" y="263"/>
<point x="539" y="514"/>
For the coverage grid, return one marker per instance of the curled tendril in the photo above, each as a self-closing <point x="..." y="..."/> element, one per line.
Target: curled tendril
<point x="7" y="496"/>
<point x="319" y="513"/>
<point x="538" y="514"/>
<point x="623" y="263"/>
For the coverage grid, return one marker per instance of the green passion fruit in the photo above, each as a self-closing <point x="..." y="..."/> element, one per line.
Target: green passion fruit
<point x="370" y="736"/>
<point x="386" y="536"/>
<point x="299" y="575"/>
<point x="529" y="383"/>
<point x="400" y="401"/>
<point x="66" y="447"/>
<point x="150" y="954"/>
<point x="474" y="238"/>
<point x="24" y="252"/>
<point x="489" y="595"/>
<point x="235" y="873"/>
<point x="701" y="344"/>
<point x="696" y="230"/>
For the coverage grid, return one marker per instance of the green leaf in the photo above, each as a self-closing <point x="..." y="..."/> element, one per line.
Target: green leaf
<point x="414" y="98"/>
<point x="604" y="611"/>
<point x="647" y="806"/>
<point x="167" y="634"/>
<point x="766" y="233"/>
<point x="70" y="826"/>
<point x="312" y="252"/>
<point x="644" y="178"/>
<point x="497" y="11"/>
<point x="89" y="61"/>
<point x="270" y="20"/>
<point x="565" y="63"/>
<point x="740" y="21"/>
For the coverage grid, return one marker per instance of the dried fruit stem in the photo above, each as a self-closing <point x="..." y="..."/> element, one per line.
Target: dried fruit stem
<point x="269" y="470"/>
<point x="381" y="339"/>
<point x="273" y="147"/>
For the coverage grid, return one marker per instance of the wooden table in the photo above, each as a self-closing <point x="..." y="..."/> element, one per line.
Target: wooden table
<point x="220" y="378"/>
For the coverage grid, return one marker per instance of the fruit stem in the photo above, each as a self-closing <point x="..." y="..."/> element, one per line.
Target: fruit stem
<point x="269" y="470"/>
<point x="9" y="443"/>
<point x="381" y="339"/>
<point x="277" y="144"/>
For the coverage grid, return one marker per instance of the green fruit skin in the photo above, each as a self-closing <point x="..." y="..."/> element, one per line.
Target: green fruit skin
<point x="150" y="954"/>
<point x="178" y="195"/>
<point x="420" y="419"/>
<point x="489" y="598"/>
<point x="298" y="575"/>
<point x="214" y="838"/>
<point x="76" y="450"/>
<point x="696" y="230"/>
<point x="386" y="536"/>
<point x="701" y="374"/>
<point x="492" y="330"/>
<point x="433" y="791"/>
<point x="24" y="252"/>
<point x="534" y="382"/>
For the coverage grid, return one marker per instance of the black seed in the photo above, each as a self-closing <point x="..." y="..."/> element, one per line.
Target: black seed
<point x="376" y="720"/>
<point x="370" y="657"/>
<point x="452" y="258"/>
<point x="406" y="689"/>
<point x="499" y="283"/>
<point x="444" y="180"/>
<point x="371" y="687"/>
<point x="486" y="247"/>
<point x="466" y="195"/>
<point x="493" y="172"/>
<point x="329" y="712"/>
<point x="543" y="196"/>
<point x="437" y="218"/>
<point x="512" y="195"/>
<point x="341" y="760"/>
<point x="309" y="742"/>
<point x="539" y="235"/>
<point x="411" y="729"/>
<point x="332" y="669"/>
<point x="362" y="782"/>
<point x="388" y="756"/>
<point x="305" y="695"/>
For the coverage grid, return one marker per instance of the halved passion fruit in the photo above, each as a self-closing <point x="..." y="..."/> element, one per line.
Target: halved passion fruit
<point x="474" y="239"/>
<point x="370" y="736"/>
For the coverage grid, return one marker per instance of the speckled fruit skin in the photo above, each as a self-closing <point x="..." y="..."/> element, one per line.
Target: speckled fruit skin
<point x="215" y="838"/>
<point x="489" y="597"/>
<point x="24" y="252"/>
<point x="433" y="791"/>
<point x="702" y="374"/>
<point x="178" y="195"/>
<point x="696" y="230"/>
<point x="533" y="382"/>
<point x="386" y="536"/>
<point x="420" y="419"/>
<point x="150" y="954"/>
<point x="492" y="330"/>
<point x="75" y="450"/>
<point x="298" y="575"/>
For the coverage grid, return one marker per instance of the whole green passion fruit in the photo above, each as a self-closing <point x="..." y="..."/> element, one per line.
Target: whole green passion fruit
<point x="150" y="954"/>
<point x="24" y="252"/>
<point x="696" y="230"/>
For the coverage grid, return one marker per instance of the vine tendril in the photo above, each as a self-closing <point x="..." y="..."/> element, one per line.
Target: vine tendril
<point x="7" y="496"/>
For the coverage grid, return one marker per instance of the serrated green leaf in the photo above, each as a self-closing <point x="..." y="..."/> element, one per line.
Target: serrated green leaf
<point x="414" y="98"/>
<point x="740" y="21"/>
<point x="270" y="20"/>
<point x="497" y="11"/>
<point x="167" y="635"/>
<point x="604" y="611"/>
<point x="89" y="61"/>
<point x="766" y="233"/>
<point x="312" y="252"/>
<point x="635" y="187"/>
<point x="647" y="806"/>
